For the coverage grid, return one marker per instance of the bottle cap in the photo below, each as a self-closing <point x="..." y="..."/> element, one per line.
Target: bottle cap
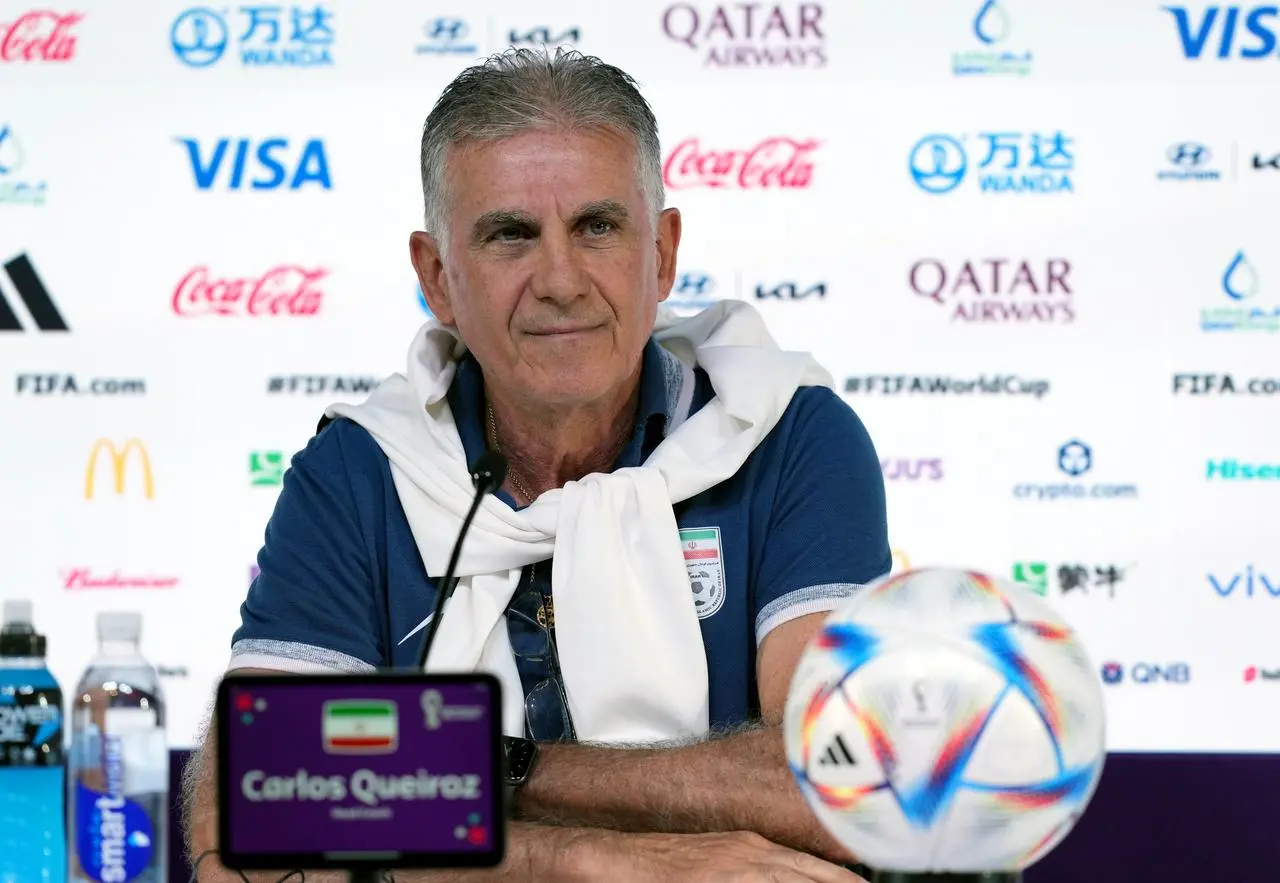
<point x="118" y="625"/>
<point x="18" y="636"/>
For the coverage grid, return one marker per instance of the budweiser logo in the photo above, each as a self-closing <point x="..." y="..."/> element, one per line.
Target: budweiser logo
<point x="39" y="36"/>
<point x="284" y="290"/>
<point x="774" y="162"/>
<point x="83" y="578"/>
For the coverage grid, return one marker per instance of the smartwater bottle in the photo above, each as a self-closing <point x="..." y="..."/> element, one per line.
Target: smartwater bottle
<point x="33" y="843"/>
<point x="118" y="788"/>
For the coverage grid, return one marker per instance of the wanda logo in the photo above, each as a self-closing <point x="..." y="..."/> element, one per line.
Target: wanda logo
<point x="285" y="290"/>
<point x="774" y="162"/>
<point x="40" y="35"/>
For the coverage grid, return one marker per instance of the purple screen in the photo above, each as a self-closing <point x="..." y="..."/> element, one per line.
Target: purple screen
<point x="364" y="768"/>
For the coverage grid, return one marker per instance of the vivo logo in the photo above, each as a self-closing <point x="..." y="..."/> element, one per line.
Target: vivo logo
<point x="912" y="470"/>
<point x="265" y="165"/>
<point x="1249" y="582"/>
<point x="1226" y="23"/>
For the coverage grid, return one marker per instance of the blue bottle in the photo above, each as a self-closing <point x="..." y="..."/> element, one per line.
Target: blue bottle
<point x="33" y="843"/>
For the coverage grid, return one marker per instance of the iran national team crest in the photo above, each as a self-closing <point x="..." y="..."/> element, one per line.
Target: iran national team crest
<point x="705" y="564"/>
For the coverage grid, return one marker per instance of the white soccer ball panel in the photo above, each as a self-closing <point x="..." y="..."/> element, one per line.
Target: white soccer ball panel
<point x="983" y="832"/>
<point x="1015" y="747"/>
<point x="937" y="599"/>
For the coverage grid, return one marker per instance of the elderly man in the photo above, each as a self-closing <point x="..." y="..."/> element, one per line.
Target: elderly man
<point x="705" y="497"/>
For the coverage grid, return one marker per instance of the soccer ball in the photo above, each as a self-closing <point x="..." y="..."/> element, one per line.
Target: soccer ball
<point x="946" y="721"/>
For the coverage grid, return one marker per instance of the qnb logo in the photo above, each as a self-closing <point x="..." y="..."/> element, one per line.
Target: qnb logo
<point x="33" y="295"/>
<point x="1075" y="459"/>
<point x="1147" y="673"/>
<point x="269" y="164"/>
<point x="200" y="37"/>
<point x="1012" y="162"/>
<point x="119" y="457"/>
<point x="1241" y="32"/>
<point x="1248" y="583"/>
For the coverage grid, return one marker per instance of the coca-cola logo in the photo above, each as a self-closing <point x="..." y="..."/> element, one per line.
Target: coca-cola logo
<point x="285" y="290"/>
<point x="85" y="578"/>
<point x="774" y="162"/>
<point x="40" y="35"/>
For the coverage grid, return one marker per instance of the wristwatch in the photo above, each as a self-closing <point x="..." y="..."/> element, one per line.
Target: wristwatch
<point x="518" y="757"/>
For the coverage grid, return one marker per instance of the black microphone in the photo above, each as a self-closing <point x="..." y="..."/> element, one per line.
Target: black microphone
<point x="488" y="473"/>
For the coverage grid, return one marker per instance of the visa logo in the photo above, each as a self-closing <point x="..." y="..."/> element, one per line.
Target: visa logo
<point x="270" y="164"/>
<point x="1238" y="30"/>
<point x="1248" y="581"/>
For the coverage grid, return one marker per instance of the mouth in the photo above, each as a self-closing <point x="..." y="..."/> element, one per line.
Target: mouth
<point x="564" y="330"/>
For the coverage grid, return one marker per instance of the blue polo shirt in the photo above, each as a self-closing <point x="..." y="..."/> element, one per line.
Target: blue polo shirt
<point x="799" y="528"/>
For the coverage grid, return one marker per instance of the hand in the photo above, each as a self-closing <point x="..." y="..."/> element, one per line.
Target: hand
<point x="736" y="857"/>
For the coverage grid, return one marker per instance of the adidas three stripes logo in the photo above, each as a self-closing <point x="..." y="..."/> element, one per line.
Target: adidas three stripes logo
<point x="34" y="296"/>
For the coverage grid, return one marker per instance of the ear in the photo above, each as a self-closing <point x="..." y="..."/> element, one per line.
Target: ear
<point x="668" y="245"/>
<point x="424" y="253"/>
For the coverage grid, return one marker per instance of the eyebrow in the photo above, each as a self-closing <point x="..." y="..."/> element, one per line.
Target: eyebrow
<point x="499" y="218"/>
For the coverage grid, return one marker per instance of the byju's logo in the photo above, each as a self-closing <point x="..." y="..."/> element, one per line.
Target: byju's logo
<point x="1075" y="459"/>
<point x="912" y="469"/>
<point x="278" y="164"/>
<point x="33" y="295"/>
<point x="447" y="36"/>
<point x="16" y="188"/>
<point x="1197" y="31"/>
<point x="200" y="37"/>
<point x="1248" y="583"/>
<point x="1011" y="163"/>
<point x="994" y="290"/>
<point x="1240" y="284"/>
<point x="991" y="28"/>
<point x="1189" y="161"/>
<point x="544" y="36"/>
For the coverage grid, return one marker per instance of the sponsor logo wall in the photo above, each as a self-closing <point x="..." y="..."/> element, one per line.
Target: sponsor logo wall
<point x="1056" y="315"/>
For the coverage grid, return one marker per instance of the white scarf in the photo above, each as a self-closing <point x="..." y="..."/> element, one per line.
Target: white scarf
<point x="629" y="641"/>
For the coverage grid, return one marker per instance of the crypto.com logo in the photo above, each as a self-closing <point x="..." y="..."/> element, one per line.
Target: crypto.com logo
<point x="119" y="459"/>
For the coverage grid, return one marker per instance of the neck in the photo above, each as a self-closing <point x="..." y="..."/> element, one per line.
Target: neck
<point x="547" y="448"/>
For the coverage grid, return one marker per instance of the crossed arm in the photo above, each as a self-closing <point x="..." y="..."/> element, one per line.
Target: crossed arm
<point x="587" y="811"/>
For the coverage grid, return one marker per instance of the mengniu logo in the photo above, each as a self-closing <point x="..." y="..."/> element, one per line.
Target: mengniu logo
<point x="991" y="29"/>
<point x="1240" y="285"/>
<point x="1075" y="459"/>
<point x="1072" y="577"/>
<point x="33" y="295"/>
<point x="997" y="290"/>
<point x="266" y="468"/>
<point x="734" y="35"/>
<point x="1147" y="673"/>
<point x="1244" y="32"/>
<point x="39" y="35"/>
<point x="268" y="38"/>
<point x="269" y="164"/>
<point x="119" y="457"/>
<point x="1248" y="583"/>
<point x="1012" y="162"/>
<point x="17" y="188"/>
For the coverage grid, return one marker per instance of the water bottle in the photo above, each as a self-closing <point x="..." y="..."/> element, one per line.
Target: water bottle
<point x="33" y="843"/>
<point x="118" y="787"/>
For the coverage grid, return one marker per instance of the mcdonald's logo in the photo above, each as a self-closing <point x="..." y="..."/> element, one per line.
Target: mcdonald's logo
<point x="119" y="460"/>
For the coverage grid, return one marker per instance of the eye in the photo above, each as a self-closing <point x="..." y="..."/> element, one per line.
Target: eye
<point x="599" y="227"/>
<point x="509" y="234"/>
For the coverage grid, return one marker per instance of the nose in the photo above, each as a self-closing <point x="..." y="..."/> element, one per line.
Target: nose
<point x="559" y="275"/>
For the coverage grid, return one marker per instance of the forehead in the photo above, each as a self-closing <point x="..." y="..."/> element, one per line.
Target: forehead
<point x="541" y="168"/>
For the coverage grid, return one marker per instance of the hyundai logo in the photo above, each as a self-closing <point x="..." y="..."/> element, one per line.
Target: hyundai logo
<point x="1189" y="153"/>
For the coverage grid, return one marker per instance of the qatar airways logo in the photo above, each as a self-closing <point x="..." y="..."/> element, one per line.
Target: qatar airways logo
<point x="285" y="290"/>
<point x="778" y="162"/>
<point x="751" y="35"/>
<point x="39" y="35"/>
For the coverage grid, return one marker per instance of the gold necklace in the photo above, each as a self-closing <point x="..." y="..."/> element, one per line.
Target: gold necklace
<point x="511" y="473"/>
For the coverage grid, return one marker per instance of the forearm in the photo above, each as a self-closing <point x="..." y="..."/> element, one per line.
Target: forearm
<point x="737" y="782"/>
<point x="534" y="854"/>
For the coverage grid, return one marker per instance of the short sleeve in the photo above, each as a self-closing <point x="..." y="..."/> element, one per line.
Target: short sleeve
<point x="828" y="530"/>
<point x="313" y="607"/>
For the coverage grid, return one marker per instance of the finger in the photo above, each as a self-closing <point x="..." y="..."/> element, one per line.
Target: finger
<point x="815" y="869"/>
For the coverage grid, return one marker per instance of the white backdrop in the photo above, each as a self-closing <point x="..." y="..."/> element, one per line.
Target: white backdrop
<point x="1128" y="231"/>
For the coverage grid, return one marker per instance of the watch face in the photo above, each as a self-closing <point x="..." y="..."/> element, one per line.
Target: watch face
<point x="519" y="754"/>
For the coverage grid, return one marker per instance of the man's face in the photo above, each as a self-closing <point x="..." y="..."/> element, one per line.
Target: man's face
<point x="554" y="270"/>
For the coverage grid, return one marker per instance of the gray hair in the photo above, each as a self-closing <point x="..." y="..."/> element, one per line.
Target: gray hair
<point x="520" y="89"/>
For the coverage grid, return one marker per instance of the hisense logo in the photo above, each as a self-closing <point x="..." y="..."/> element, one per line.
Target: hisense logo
<point x="1238" y="470"/>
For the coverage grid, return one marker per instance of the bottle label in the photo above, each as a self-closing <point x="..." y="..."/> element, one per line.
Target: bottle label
<point x="114" y="835"/>
<point x="30" y="728"/>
